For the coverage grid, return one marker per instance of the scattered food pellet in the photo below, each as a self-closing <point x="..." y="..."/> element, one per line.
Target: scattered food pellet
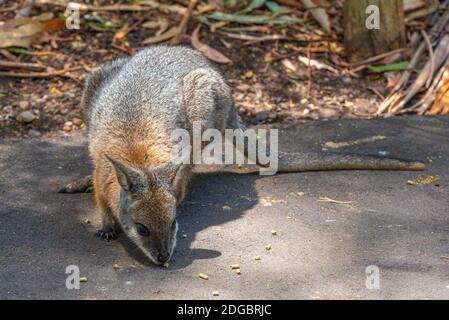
<point x="166" y="264"/>
<point x="424" y="181"/>
<point x="300" y="193"/>
<point x="238" y="271"/>
<point x="116" y="266"/>
<point x="226" y="207"/>
<point x="268" y="247"/>
<point x="215" y="293"/>
<point x="184" y="236"/>
<point x="257" y="258"/>
<point x="234" y="266"/>
<point x="83" y="279"/>
<point x="203" y="276"/>
<point x="86" y="221"/>
<point x="274" y="232"/>
<point x="248" y="74"/>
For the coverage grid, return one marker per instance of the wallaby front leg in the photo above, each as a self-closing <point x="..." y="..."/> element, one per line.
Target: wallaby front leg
<point x="108" y="229"/>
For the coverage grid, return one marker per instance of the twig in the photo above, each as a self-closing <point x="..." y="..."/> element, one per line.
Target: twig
<point x="183" y="25"/>
<point x="273" y="37"/>
<point x="326" y="199"/>
<point x="7" y="65"/>
<point x="40" y="74"/>
<point x="432" y="57"/>
<point x="8" y="55"/>
<point x="309" y="72"/>
<point x="85" y="7"/>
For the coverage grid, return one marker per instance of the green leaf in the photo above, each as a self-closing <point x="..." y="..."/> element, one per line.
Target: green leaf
<point x="390" y="67"/>
<point x="275" y="7"/>
<point x="253" y="5"/>
<point x="19" y="50"/>
<point x="239" y="18"/>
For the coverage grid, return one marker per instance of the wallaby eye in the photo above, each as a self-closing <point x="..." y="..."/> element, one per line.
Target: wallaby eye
<point x="142" y="230"/>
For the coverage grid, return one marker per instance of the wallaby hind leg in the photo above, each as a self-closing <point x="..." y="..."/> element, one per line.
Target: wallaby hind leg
<point x="81" y="185"/>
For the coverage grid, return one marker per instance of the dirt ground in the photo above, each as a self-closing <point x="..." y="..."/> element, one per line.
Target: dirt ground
<point x="265" y="91"/>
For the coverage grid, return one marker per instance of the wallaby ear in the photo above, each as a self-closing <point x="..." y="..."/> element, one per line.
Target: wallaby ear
<point x="168" y="171"/>
<point x="130" y="179"/>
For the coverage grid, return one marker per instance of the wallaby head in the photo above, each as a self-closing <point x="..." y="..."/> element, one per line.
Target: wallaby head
<point x="147" y="208"/>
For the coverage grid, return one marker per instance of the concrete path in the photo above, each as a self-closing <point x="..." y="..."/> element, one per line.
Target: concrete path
<point x="321" y="250"/>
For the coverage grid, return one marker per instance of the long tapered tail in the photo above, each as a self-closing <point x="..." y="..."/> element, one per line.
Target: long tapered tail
<point x="297" y="162"/>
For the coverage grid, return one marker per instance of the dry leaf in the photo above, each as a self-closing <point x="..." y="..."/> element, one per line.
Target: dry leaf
<point x="161" y="24"/>
<point x="20" y="32"/>
<point x="162" y="37"/>
<point x="209" y="52"/>
<point x="122" y="32"/>
<point x="319" y="14"/>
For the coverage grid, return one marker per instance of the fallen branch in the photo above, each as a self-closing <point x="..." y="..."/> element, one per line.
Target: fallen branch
<point x="183" y="25"/>
<point x="7" y="65"/>
<point x="49" y="74"/>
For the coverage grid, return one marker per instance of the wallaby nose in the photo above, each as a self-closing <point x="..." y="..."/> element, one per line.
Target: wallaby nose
<point x="162" y="257"/>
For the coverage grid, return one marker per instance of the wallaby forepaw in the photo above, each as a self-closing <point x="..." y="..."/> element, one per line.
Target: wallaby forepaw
<point x="106" y="235"/>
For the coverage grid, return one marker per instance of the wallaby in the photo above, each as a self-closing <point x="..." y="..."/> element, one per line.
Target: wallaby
<point x="131" y="107"/>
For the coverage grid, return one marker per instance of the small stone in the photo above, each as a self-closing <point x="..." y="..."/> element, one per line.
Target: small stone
<point x="77" y="121"/>
<point x="34" y="133"/>
<point x="68" y="126"/>
<point x="24" y="104"/>
<point x="25" y="117"/>
<point x="346" y="80"/>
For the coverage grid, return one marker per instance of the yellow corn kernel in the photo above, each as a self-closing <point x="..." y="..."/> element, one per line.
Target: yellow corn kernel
<point x="268" y="247"/>
<point x="234" y="266"/>
<point x="83" y="279"/>
<point x="203" y="276"/>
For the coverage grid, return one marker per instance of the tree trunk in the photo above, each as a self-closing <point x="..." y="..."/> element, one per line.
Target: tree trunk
<point x="372" y="27"/>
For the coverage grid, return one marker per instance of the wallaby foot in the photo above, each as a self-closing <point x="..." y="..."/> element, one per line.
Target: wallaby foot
<point x="78" y="186"/>
<point x="108" y="229"/>
<point x="107" y="235"/>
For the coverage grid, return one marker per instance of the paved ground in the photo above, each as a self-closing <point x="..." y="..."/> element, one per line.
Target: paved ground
<point x="321" y="249"/>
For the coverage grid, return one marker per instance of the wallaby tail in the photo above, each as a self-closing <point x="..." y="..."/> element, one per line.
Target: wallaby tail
<point x="297" y="162"/>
